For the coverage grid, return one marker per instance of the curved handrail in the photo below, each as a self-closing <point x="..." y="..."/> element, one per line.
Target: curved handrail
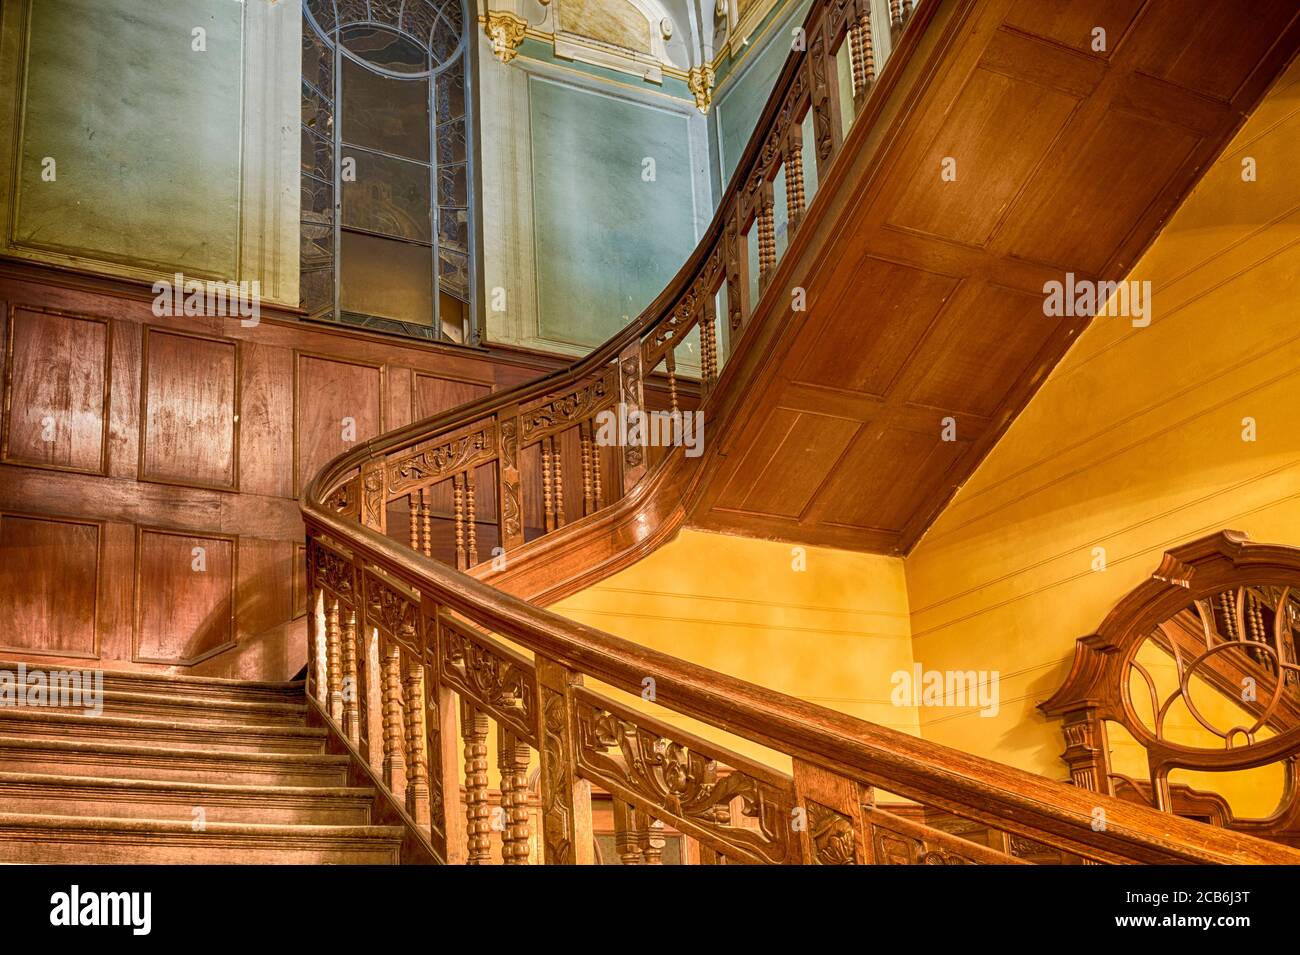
<point x="435" y="627"/>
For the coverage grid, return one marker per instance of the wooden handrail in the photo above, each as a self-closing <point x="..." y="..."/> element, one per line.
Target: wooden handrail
<point x="407" y="651"/>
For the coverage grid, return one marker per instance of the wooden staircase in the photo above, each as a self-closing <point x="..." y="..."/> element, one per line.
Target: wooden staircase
<point x="183" y="770"/>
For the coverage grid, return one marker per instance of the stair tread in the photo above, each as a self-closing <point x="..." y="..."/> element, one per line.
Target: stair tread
<point x="199" y="702"/>
<point x="184" y="786"/>
<point x="184" y="827"/>
<point x="180" y="679"/>
<point x="76" y="718"/>
<point x="180" y="752"/>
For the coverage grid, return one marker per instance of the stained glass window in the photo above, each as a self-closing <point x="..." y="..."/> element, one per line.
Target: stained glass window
<point x="387" y="224"/>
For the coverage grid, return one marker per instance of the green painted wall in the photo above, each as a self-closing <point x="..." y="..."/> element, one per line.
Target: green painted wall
<point x="144" y="130"/>
<point x="606" y="240"/>
<point x="744" y="91"/>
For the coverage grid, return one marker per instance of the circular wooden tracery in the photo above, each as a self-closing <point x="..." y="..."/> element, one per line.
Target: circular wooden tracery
<point x="1220" y="615"/>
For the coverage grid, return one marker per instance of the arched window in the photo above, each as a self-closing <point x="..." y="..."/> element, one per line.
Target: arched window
<point x="387" y="228"/>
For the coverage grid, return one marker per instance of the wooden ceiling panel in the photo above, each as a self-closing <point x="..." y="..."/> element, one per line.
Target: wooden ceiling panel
<point x="1211" y="46"/>
<point x="876" y="484"/>
<point x="992" y="338"/>
<point x="784" y="469"/>
<point x="1086" y="201"/>
<point x="925" y="297"/>
<point x="865" y="340"/>
<point x="987" y="177"/>
<point x="1072" y="24"/>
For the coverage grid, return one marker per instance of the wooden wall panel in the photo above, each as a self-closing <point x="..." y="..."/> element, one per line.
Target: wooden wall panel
<point x="48" y="575"/>
<point x="328" y="392"/>
<point x="433" y="394"/>
<point x="113" y="568"/>
<point x="190" y="410"/>
<point x="184" y="608"/>
<point x="57" y="381"/>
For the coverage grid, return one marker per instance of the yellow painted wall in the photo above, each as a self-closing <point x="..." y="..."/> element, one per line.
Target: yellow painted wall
<point x="824" y="634"/>
<point x="1134" y="444"/>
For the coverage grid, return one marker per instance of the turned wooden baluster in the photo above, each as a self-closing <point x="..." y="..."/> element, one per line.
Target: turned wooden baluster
<point x="351" y="688"/>
<point x="588" y="474"/>
<point x="415" y="518"/>
<point x="334" y="669"/>
<point x="316" y="675"/>
<point x="417" y="782"/>
<point x="394" y="760"/>
<point x="426" y="523"/>
<point x="862" y="58"/>
<point x="512" y="760"/>
<point x="670" y="363"/>
<point x="651" y="831"/>
<point x="597" y="497"/>
<point x="766" y="225"/>
<point x="471" y="522"/>
<point x="795" y="201"/>
<point x="627" y="838"/>
<point x="474" y="730"/>
<point x="458" y="497"/>
<point x="548" y="497"/>
<point x="709" y="341"/>
<point x="557" y="460"/>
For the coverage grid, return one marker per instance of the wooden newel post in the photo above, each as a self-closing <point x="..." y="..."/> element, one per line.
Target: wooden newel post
<point x="566" y="799"/>
<point x="631" y="395"/>
<point x="834" y="827"/>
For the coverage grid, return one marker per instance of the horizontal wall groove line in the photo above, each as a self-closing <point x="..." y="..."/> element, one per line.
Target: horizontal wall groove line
<point x="1158" y="548"/>
<point x="1084" y="360"/>
<point x="747" y="601"/>
<point x="872" y="634"/>
<point x="1251" y="356"/>
<point x="1263" y="353"/>
<point x="1087" y="545"/>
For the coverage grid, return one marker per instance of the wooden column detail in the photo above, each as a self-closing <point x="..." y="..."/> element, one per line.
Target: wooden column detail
<point x="394" y="759"/>
<point x="417" y="780"/>
<point x="478" y="814"/>
<point x="566" y="798"/>
<point x="512" y="761"/>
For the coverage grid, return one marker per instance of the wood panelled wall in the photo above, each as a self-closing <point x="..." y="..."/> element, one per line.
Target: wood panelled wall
<point x="149" y="467"/>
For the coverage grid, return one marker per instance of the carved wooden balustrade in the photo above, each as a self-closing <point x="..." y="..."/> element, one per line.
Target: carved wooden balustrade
<point x="515" y="466"/>
<point x="1198" y="666"/>
<point x="426" y="670"/>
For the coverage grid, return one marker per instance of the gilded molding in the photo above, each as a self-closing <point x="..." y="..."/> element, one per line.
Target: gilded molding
<point x="506" y="31"/>
<point x="700" y="82"/>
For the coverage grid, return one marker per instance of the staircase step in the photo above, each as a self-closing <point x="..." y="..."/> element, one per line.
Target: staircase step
<point x="121" y="761"/>
<point x="77" y="839"/>
<point x="172" y="800"/>
<point x="186" y="709"/>
<point x="46" y="723"/>
<point x="195" y="687"/>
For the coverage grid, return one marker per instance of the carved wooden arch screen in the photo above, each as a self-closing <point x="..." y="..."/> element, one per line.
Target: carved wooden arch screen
<point x="1198" y="665"/>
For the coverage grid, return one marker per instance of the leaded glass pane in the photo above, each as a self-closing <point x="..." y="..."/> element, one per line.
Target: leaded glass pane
<point x="386" y="114"/>
<point x="387" y="278"/>
<point x="389" y="196"/>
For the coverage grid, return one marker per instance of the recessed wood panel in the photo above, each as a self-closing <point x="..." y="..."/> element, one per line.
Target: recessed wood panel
<point x="185" y="591"/>
<point x="1072" y="24"/>
<point x="49" y="576"/>
<point x="988" y="176"/>
<point x="434" y="394"/>
<point x="884" y="474"/>
<point x="782" y="471"/>
<point x="336" y="404"/>
<point x="978" y="351"/>
<point x="1177" y="42"/>
<point x="861" y="350"/>
<point x="56" y="390"/>
<point x="189" y="410"/>
<point x="1104" y="182"/>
